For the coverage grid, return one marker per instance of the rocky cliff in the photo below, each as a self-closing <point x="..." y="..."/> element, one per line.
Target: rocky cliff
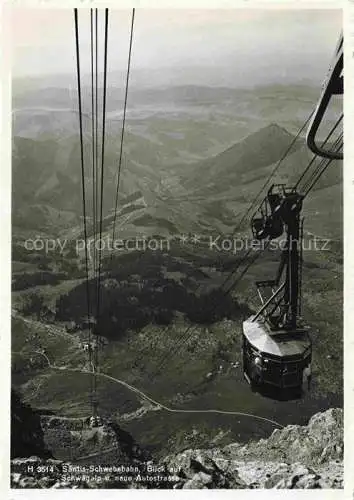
<point x="307" y="457"/>
<point x="295" y="457"/>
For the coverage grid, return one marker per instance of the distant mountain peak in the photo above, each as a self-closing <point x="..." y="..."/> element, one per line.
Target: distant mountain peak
<point x="271" y="136"/>
<point x="274" y="126"/>
<point x="272" y="129"/>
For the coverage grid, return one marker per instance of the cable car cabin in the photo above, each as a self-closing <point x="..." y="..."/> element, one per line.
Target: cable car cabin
<point x="280" y="358"/>
<point x="277" y="348"/>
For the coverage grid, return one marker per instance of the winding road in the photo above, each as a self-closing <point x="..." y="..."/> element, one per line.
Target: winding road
<point x="153" y="401"/>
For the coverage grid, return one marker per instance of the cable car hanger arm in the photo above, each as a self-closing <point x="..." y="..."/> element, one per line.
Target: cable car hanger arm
<point x="333" y="85"/>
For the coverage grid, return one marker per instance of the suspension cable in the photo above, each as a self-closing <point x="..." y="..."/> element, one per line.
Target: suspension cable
<point x="82" y="159"/>
<point x="337" y="147"/>
<point x="96" y="153"/>
<point x="123" y="123"/>
<point x="99" y="257"/>
<point x="315" y="156"/>
<point x="93" y="125"/>
<point x="323" y="163"/>
<point x="102" y="159"/>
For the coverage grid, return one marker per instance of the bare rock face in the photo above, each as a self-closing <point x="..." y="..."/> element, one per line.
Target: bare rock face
<point x="319" y="441"/>
<point x="296" y="457"/>
<point x="303" y="457"/>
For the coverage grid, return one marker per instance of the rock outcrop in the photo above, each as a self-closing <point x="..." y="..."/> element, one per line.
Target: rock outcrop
<point x="294" y="457"/>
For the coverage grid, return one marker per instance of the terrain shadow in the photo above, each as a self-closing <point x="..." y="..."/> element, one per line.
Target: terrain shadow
<point x="149" y="288"/>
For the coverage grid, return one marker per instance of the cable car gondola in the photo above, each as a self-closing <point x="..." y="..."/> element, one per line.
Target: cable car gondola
<point x="277" y="348"/>
<point x="276" y="345"/>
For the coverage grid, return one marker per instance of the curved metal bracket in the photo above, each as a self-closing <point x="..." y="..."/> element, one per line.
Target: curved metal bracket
<point x="333" y="85"/>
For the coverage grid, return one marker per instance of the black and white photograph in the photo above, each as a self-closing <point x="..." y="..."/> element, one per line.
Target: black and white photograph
<point x="176" y="247"/>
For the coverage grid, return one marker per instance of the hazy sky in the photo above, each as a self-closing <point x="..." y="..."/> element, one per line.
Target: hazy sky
<point x="251" y="44"/>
